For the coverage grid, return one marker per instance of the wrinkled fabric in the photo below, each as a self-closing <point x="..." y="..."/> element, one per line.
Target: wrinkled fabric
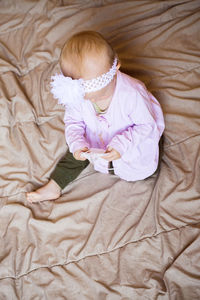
<point x="132" y="125"/>
<point x="104" y="238"/>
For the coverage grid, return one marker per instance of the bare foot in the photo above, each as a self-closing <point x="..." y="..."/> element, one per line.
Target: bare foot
<point x="49" y="191"/>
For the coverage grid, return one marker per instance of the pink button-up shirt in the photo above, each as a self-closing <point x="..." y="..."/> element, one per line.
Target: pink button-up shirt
<point x="133" y="125"/>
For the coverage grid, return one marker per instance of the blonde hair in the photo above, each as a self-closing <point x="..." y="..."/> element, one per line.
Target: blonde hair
<point x="83" y="44"/>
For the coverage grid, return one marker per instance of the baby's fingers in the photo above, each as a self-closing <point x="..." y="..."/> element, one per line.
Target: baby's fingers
<point x="109" y="156"/>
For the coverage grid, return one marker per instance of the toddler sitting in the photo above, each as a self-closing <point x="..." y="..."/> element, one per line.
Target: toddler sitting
<point x="104" y="109"/>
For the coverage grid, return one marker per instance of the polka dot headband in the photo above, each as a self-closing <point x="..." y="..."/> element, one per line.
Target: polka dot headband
<point x="71" y="91"/>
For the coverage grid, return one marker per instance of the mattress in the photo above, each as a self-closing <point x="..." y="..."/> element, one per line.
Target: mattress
<point x="104" y="238"/>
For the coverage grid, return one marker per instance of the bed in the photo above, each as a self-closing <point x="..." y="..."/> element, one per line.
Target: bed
<point x="104" y="238"/>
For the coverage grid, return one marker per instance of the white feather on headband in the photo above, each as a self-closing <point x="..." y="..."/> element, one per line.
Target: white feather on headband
<point x="67" y="90"/>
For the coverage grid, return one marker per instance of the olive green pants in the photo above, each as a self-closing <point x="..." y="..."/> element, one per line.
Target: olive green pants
<point x="68" y="169"/>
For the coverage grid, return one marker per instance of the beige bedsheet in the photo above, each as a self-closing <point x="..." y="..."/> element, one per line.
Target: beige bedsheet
<point x="104" y="238"/>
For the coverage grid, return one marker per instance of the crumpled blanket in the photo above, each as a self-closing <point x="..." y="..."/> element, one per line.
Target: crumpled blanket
<point x="104" y="238"/>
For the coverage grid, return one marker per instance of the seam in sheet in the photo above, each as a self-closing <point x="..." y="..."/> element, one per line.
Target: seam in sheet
<point x="50" y="118"/>
<point x="90" y="173"/>
<point x="181" y="141"/>
<point x="31" y="16"/>
<point x="175" y="74"/>
<point x="100" y="253"/>
<point x="22" y="191"/>
<point x="151" y="78"/>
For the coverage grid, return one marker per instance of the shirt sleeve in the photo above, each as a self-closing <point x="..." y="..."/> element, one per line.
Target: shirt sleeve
<point x="74" y="129"/>
<point x="144" y="129"/>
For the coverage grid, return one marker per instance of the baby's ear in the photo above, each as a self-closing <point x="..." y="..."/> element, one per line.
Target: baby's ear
<point x="118" y="63"/>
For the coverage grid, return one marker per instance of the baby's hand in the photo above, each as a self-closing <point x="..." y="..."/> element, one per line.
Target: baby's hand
<point x="77" y="154"/>
<point x="111" y="154"/>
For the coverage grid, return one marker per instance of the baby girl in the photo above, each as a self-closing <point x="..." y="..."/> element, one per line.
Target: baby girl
<point x="105" y="109"/>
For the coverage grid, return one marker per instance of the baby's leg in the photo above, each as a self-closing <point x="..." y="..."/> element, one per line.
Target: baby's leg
<point x="49" y="191"/>
<point x="67" y="169"/>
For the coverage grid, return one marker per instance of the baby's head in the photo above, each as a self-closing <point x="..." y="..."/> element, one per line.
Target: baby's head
<point x="86" y="55"/>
